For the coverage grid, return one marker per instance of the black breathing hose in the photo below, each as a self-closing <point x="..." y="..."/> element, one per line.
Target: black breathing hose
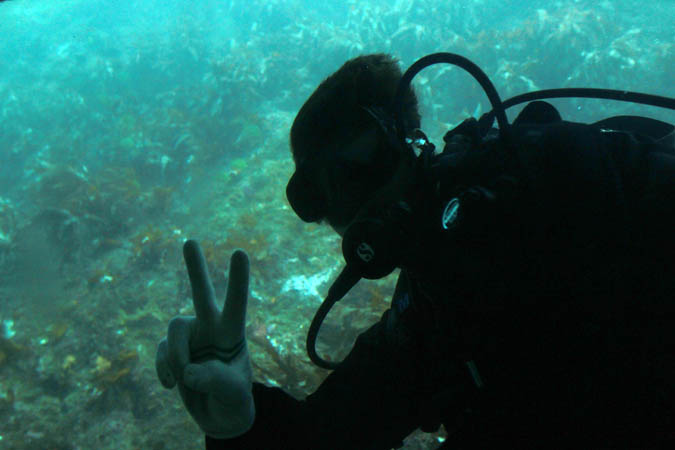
<point x="464" y="63"/>
<point x="608" y="94"/>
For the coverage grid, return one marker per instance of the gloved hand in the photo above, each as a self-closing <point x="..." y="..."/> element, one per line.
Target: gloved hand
<point x="207" y="355"/>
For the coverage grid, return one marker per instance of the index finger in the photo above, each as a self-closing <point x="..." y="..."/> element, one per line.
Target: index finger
<point x="203" y="295"/>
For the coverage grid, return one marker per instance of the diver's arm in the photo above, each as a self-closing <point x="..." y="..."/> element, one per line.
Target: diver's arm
<point x="369" y="401"/>
<point x="362" y="404"/>
<point x="276" y="422"/>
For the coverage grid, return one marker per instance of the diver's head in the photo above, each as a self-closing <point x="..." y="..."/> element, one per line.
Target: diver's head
<point x="342" y="156"/>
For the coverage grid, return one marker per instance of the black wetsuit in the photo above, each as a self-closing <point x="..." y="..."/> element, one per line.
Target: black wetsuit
<point x="564" y="302"/>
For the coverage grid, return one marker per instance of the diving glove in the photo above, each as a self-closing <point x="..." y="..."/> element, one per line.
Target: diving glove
<point x="207" y="356"/>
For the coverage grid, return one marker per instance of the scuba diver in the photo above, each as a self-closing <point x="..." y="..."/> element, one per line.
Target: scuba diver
<point x="536" y="297"/>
